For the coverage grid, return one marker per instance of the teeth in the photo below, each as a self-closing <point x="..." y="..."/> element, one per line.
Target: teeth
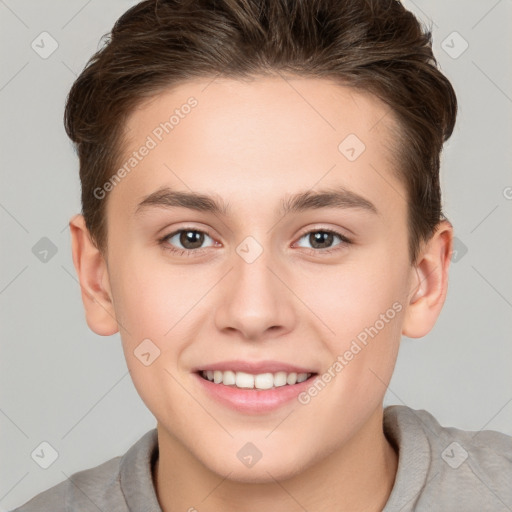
<point x="264" y="381"/>
<point x="249" y="381"/>
<point x="244" y="380"/>
<point x="291" y="378"/>
<point x="279" y="379"/>
<point x="228" y="378"/>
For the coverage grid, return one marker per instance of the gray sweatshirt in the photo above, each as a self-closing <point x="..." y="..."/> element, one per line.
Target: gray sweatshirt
<point x="439" y="469"/>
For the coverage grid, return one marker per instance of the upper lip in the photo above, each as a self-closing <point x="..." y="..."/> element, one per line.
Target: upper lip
<point x="254" y="367"/>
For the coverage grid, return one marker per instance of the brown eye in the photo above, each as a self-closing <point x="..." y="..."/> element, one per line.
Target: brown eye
<point x="191" y="239"/>
<point x="185" y="240"/>
<point x="323" y="239"/>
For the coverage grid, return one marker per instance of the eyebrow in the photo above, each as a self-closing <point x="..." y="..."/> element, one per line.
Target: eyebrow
<point x="338" y="197"/>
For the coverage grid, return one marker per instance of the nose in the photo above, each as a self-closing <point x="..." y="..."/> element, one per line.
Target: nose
<point x="254" y="301"/>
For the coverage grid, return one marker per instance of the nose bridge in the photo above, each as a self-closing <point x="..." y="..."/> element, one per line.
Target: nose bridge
<point x="252" y="273"/>
<point x="255" y="299"/>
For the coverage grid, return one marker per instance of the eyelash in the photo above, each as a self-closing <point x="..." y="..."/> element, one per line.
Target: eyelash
<point x="189" y="252"/>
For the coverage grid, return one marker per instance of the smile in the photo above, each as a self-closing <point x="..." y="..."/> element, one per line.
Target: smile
<point x="253" y="393"/>
<point x="244" y="380"/>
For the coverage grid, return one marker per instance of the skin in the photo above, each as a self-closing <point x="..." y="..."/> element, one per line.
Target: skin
<point x="251" y="144"/>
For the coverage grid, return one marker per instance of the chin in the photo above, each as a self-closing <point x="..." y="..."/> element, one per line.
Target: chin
<point x="262" y="472"/>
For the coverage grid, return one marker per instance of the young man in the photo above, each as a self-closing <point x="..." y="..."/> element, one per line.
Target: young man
<point x="261" y="221"/>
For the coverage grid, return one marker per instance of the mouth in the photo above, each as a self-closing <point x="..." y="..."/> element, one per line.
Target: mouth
<point x="253" y="387"/>
<point x="251" y="381"/>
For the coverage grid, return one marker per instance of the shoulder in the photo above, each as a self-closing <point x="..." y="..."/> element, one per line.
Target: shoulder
<point x="452" y="447"/>
<point x="120" y="484"/>
<point x="452" y="467"/>
<point x="92" y="485"/>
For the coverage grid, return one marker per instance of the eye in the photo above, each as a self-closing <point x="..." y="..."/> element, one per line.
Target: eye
<point x="321" y="240"/>
<point x="190" y="239"/>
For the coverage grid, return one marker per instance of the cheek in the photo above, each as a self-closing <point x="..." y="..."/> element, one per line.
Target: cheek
<point x="155" y="300"/>
<point x="155" y="305"/>
<point x="149" y="308"/>
<point x="351" y="297"/>
<point x="362" y="305"/>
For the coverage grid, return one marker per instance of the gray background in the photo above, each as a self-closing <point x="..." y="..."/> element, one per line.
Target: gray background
<point x="63" y="384"/>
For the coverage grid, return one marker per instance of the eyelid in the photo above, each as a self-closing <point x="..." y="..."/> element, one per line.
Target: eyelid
<point x="199" y="226"/>
<point x="334" y="230"/>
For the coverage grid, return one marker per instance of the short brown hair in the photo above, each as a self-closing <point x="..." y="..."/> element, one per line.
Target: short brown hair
<point x="376" y="46"/>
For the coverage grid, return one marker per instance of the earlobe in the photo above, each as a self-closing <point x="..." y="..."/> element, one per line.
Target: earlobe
<point x="429" y="283"/>
<point x="93" y="276"/>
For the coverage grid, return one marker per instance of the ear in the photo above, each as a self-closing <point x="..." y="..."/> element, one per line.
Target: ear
<point x="429" y="283"/>
<point x="92" y="272"/>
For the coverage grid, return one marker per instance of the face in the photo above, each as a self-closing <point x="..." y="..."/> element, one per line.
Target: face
<point x="269" y="277"/>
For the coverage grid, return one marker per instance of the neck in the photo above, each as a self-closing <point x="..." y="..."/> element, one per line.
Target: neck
<point x="357" y="476"/>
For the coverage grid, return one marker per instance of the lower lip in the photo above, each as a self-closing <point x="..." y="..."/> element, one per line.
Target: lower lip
<point x="253" y="401"/>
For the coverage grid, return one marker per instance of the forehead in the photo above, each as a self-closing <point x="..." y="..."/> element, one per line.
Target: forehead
<point x="259" y="138"/>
